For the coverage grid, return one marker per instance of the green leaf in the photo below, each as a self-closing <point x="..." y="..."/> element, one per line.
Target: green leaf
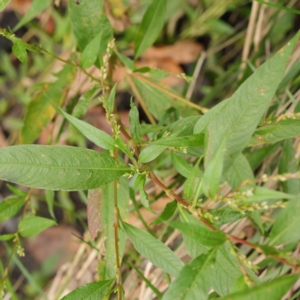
<point x="261" y="194"/>
<point x="97" y="136"/>
<point x="140" y="184"/>
<point x="156" y="101"/>
<point x="150" y="153"/>
<point x="33" y="225"/>
<point x="107" y="267"/>
<point x="111" y="99"/>
<point x="134" y="123"/>
<point x="182" y="167"/>
<point x="19" y="50"/>
<point x="200" y="233"/>
<point x="183" y="141"/>
<point x="213" y="172"/>
<point x="36" y="7"/>
<point x="240" y="171"/>
<point x="286" y="226"/>
<point x="91" y="51"/>
<point x="194" y="280"/>
<point x="10" y="206"/>
<point x="90" y="291"/>
<point x="158" y="253"/>
<point x="192" y="182"/>
<point x="235" y="123"/>
<point x="167" y="213"/>
<point x="126" y="61"/>
<point x="83" y="103"/>
<point x="151" y="26"/>
<point x="228" y="270"/>
<point x="7" y="237"/>
<point x="288" y="164"/>
<point x="3" y="4"/>
<point x="40" y="111"/>
<point x="58" y="167"/>
<point x="274" y="290"/>
<point x="89" y="21"/>
<point x="49" y="195"/>
<point x="193" y="248"/>
<point x="284" y="129"/>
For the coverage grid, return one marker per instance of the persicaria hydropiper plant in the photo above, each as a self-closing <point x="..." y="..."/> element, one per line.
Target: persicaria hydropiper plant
<point x="219" y="170"/>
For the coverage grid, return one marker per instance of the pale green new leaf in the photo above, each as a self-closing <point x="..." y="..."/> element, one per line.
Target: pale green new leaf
<point x="10" y="206"/>
<point x="151" y="26"/>
<point x="97" y="136"/>
<point x="36" y="7"/>
<point x="200" y="233"/>
<point x="90" y="291"/>
<point x="88" y="20"/>
<point x="284" y="129"/>
<point x="150" y="153"/>
<point x="157" y="252"/>
<point x="33" y="225"/>
<point x="19" y="50"/>
<point x="58" y="167"/>
<point x="235" y="123"/>
<point x="194" y="280"/>
<point x="287" y="224"/>
<point x="274" y="290"/>
<point x="3" y="4"/>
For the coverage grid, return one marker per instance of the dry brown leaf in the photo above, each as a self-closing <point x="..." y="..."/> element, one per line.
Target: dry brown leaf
<point x="117" y="14"/>
<point x="93" y="213"/>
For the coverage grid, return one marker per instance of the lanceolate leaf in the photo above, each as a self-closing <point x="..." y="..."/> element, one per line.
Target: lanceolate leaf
<point x="90" y="291"/>
<point x="33" y="225"/>
<point x="200" y="233"/>
<point x="58" y="167"/>
<point x="284" y="129"/>
<point x="150" y="153"/>
<point x="151" y="26"/>
<point x="274" y="290"/>
<point x="97" y="136"/>
<point x="167" y="213"/>
<point x="288" y="164"/>
<point x="287" y="224"/>
<point x="88" y="20"/>
<point x="107" y="268"/>
<point x="134" y="121"/>
<point x="19" y="50"/>
<point x="183" y="141"/>
<point x="194" y="280"/>
<point x="10" y="206"/>
<point x="158" y="253"/>
<point x="237" y="120"/>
